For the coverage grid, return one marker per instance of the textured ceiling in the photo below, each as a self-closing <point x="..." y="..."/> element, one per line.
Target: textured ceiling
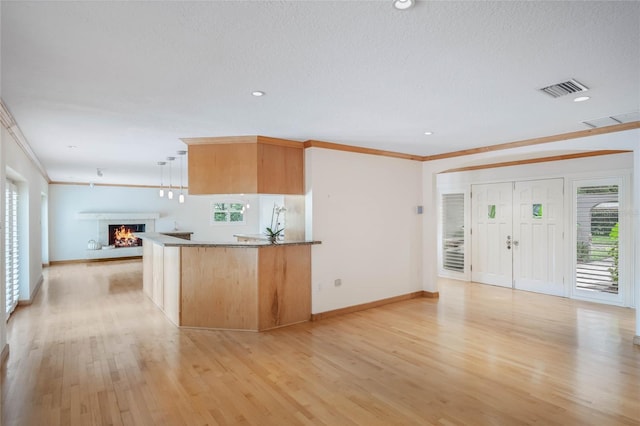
<point x="123" y="81"/>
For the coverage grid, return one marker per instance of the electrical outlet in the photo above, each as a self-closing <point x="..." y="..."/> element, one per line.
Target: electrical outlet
<point x="337" y="283"/>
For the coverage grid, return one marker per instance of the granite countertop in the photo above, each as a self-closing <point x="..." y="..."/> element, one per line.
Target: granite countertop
<point x="169" y="241"/>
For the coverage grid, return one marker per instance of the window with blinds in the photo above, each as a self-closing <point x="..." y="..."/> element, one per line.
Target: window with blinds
<point x="597" y="250"/>
<point x="453" y="232"/>
<point x="12" y="260"/>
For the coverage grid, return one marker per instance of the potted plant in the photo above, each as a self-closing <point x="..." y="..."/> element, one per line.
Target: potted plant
<point x="274" y="231"/>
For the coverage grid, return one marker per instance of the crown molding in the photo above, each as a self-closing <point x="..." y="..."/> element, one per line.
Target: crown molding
<point x="9" y="123"/>
<point x="6" y="119"/>
<point x="490" y="148"/>
<point x="360" y="150"/>
<point x="122" y="185"/>
<point x="538" y="160"/>
<point x="251" y="139"/>
<point x="537" y="141"/>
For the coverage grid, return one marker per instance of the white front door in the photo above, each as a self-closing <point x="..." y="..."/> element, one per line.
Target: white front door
<point x="538" y="236"/>
<point x="517" y="235"/>
<point x="491" y="260"/>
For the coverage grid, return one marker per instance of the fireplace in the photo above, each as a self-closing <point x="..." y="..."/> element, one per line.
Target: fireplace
<point x="121" y="235"/>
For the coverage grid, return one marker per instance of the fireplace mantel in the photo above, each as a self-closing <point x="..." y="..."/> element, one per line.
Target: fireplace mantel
<point x="117" y="216"/>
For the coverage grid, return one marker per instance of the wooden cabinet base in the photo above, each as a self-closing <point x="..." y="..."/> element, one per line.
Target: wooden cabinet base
<point x="284" y="285"/>
<point x="252" y="288"/>
<point x="218" y="288"/>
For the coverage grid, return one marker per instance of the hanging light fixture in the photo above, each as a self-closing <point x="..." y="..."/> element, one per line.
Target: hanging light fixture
<point x="403" y="4"/>
<point x="181" y="196"/>
<point x="161" y="191"/>
<point x="170" y="193"/>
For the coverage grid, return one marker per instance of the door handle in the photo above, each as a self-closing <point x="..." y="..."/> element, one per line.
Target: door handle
<point x="515" y="243"/>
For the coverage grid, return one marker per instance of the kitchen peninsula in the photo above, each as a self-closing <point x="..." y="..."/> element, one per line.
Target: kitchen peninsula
<point x="249" y="285"/>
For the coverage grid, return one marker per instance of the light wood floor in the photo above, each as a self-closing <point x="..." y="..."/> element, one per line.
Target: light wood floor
<point x="93" y="350"/>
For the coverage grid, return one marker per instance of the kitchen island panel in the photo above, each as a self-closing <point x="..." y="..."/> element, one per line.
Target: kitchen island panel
<point x="218" y="288"/>
<point x="171" y="288"/>
<point x="147" y="270"/>
<point x="157" y="292"/>
<point x="284" y="285"/>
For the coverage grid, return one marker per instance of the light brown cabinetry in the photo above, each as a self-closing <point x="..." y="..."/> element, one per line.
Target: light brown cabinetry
<point x="254" y="288"/>
<point x="245" y="164"/>
<point x="284" y="285"/>
<point x="218" y="288"/>
<point x="161" y="278"/>
<point x="228" y="286"/>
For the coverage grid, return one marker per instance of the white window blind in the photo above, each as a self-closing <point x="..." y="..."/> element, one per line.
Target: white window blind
<point x="453" y="232"/>
<point x="597" y="250"/>
<point x="12" y="260"/>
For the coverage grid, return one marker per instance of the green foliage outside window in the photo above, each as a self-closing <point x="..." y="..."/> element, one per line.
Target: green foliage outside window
<point x="614" y="252"/>
<point x="492" y="211"/>
<point x="227" y="212"/>
<point x="220" y="217"/>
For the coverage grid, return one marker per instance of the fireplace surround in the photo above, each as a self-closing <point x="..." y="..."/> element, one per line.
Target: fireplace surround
<point x="103" y="221"/>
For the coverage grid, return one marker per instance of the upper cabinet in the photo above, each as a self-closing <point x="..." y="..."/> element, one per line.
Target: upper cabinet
<point x="245" y="165"/>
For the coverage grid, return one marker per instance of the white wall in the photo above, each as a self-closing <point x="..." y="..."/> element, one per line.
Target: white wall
<point x="605" y="165"/>
<point x="69" y="235"/>
<point x="31" y="185"/>
<point x="430" y="227"/>
<point x="364" y="212"/>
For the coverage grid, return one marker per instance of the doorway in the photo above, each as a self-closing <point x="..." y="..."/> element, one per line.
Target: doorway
<point x="600" y="232"/>
<point x="517" y="235"/>
<point x="44" y="229"/>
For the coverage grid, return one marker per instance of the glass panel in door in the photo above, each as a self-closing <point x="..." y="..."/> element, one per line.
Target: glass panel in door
<point x="597" y="236"/>
<point x="453" y="232"/>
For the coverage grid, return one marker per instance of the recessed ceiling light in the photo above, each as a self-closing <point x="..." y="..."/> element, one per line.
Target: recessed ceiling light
<point x="403" y="4"/>
<point x="257" y="93"/>
<point x="71" y="146"/>
<point x="428" y="133"/>
<point x="581" y="99"/>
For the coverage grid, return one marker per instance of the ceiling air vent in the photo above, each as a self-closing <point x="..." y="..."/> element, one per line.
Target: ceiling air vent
<point x="564" y="88"/>
<point x="612" y="120"/>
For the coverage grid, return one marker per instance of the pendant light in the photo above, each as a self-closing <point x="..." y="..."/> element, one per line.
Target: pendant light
<point x="403" y="4"/>
<point x="170" y="193"/>
<point x="161" y="192"/>
<point x="181" y="196"/>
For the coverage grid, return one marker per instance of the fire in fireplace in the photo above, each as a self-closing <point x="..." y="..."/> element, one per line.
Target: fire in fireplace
<point x="122" y="235"/>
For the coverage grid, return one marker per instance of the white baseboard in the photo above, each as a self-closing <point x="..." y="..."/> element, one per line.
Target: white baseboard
<point x="33" y="293"/>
